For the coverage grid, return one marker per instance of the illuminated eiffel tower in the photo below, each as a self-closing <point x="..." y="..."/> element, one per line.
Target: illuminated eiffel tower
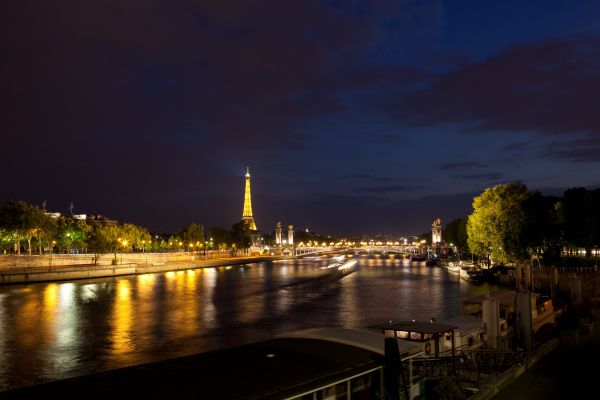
<point x="247" y="213"/>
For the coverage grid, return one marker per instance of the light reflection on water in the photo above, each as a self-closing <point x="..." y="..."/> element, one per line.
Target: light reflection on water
<point x="55" y="330"/>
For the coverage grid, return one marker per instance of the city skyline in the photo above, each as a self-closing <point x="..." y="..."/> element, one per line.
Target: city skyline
<point x="374" y="117"/>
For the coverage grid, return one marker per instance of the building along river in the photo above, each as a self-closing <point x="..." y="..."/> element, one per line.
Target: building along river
<point x="55" y="330"/>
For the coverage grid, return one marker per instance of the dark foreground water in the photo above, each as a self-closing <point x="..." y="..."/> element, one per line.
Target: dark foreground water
<point x="51" y="331"/>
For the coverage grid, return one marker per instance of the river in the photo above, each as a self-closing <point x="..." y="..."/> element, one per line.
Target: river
<point x="55" y="330"/>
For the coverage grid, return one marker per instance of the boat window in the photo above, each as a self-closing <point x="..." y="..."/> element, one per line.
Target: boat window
<point x="331" y="392"/>
<point x="341" y="391"/>
<point x="366" y="387"/>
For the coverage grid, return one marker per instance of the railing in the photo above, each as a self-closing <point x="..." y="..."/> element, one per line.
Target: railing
<point x="65" y="268"/>
<point x="494" y="362"/>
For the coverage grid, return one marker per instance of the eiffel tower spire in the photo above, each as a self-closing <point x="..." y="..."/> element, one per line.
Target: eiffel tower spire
<point x="247" y="213"/>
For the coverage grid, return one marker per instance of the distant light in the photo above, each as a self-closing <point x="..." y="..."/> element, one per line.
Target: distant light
<point x="270" y="355"/>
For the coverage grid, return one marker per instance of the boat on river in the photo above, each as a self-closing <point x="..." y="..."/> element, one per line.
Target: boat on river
<point x="418" y="257"/>
<point x="433" y="262"/>
<point x="341" y="267"/>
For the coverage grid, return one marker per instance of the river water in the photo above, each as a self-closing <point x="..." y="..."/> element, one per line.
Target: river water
<point x="55" y="330"/>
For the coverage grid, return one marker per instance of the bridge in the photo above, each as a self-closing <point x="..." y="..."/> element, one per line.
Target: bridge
<point x="402" y="249"/>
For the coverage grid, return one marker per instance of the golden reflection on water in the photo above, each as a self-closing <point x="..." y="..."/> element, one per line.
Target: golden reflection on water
<point x="182" y="304"/>
<point x="348" y="302"/>
<point x="122" y="320"/>
<point x="144" y="304"/>
<point x="209" y="281"/>
<point x="64" y="323"/>
<point x="65" y="318"/>
<point x="189" y="308"/>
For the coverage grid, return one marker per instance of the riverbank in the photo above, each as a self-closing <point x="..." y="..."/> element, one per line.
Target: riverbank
<point x="557" y="369"/>
<point x="28" y="274"/>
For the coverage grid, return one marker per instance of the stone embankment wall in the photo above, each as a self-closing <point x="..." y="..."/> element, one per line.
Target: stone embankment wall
<point x="54" y="260"/>
<point x="70" y="272"/>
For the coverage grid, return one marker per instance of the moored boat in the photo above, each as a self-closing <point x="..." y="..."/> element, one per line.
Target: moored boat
<point x="474" y="274"/>
<point x="433" y="262"/>
<point x="453" y="268"/>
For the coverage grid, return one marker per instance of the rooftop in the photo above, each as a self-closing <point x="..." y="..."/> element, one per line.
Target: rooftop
<point x="415" y="326"/>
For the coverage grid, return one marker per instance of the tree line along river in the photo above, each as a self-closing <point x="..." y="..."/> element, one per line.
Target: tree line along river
<point x="56" y="330"/>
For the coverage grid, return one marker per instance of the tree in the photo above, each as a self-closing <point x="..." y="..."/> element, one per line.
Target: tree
<point x="543" y="231"/>
<point x="581" y="212"/>
<point x="456" y="233"/>
<point x="70" y="233"/>
<point x="133" y="237"/>
<point x="497" y="224"/>
<point x="222" y="238"/>
<point x="46" y="230"/>
<point x="172" y="242"/>
<point x="6" y="240"/>
<point x="193" y="234"/>
<point x="22" y="219"/>
<point x="240" y="234"/>
<point x="101" y="240"/>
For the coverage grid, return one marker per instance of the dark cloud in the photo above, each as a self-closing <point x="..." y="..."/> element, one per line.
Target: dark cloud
<point x="389" y="139"/>
<point x="485" y="176"/>
<point x="580" y="150"/>
<point x="461" y="165"/>
<point x="517" y="146"/>
<point x="241" y="75"/>
<point x="548" y="88"/>
<point x="362" y="177"/>
<point x="387" y="189"/>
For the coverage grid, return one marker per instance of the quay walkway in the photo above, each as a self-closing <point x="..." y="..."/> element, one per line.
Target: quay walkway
<point x="30" y="274"/>
<point x="558" y="369"/>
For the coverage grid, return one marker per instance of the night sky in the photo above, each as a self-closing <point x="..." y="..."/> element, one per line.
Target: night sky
<point x="354" y="116"/>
